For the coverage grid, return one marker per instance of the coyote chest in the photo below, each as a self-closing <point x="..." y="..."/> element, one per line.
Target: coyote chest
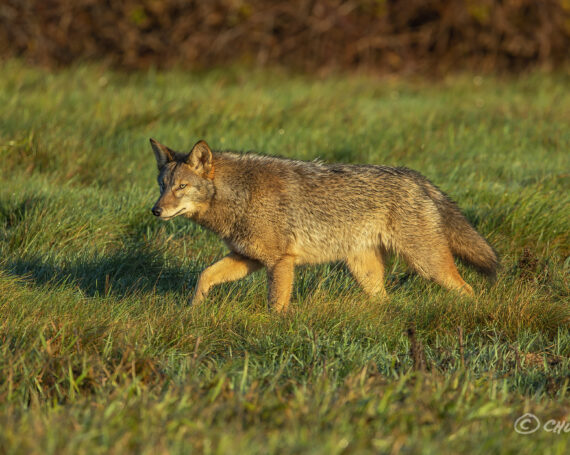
<point x="239" y="247"/>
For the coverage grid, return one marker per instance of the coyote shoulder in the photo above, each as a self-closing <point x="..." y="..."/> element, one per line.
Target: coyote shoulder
<point x="278" y="213"/>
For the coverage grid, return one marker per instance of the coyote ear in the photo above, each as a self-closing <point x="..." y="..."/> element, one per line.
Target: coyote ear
<point x="200" y="158"/>
<point x="162" y="153"/>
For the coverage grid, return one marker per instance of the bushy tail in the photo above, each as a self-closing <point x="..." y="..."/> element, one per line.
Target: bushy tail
<point x="464" y="241"/>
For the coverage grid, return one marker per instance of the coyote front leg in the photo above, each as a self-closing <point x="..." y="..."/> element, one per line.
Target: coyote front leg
<point x="280" y="280"/>
<point x="230" y="268"/>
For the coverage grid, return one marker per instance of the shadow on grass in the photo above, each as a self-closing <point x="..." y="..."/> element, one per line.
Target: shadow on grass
<point x="14" y="212"/>
<point x="122" y="273"/>
<point x="144" y="270"/>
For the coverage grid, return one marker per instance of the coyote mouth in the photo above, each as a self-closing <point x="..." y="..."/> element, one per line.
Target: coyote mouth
<point x="166" y="218"/>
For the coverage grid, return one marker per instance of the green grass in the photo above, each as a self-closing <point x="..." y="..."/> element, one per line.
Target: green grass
<point x="99" y="351"/>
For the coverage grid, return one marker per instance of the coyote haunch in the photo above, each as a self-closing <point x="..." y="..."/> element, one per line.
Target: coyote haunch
<point x="277" y="213"/>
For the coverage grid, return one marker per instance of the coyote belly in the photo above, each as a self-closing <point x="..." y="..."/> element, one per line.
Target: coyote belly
<point x="276" y="213"/>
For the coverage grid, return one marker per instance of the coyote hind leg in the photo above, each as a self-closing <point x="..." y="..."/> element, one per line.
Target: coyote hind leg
<point x="367" y="267"/>
<point x="438" y="265"/>
<point x="447" y="275"/>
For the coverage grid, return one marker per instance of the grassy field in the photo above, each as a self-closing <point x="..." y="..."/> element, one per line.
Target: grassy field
<point x="99" y="351"/>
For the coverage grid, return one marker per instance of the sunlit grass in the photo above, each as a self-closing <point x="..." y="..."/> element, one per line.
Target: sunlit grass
<point x="100" y="352"/>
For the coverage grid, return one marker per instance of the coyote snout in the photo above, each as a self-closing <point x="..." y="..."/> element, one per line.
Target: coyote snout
<point x="277" y="213"/>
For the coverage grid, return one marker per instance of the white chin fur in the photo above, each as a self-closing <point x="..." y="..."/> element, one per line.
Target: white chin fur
<point x="169" y="216"/>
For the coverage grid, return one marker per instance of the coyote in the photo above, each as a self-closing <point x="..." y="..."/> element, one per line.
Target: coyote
<point x="278" y="213"/>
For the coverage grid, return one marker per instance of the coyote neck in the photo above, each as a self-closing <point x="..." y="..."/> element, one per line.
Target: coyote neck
<point x="227" y="204"/>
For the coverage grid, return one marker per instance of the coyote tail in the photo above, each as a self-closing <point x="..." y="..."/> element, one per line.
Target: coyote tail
<point x="464" y="241"/>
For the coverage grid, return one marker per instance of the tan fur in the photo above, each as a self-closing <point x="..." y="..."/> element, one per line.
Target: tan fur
<point x="230" y="268"/>
<point x="278" y="213"/>
<point x="368" y="269"/>
<point x="448" y="276"/>
<point x="280" y="276"/>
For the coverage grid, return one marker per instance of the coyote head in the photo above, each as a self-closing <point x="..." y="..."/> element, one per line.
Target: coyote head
<point x="185" y="181"/>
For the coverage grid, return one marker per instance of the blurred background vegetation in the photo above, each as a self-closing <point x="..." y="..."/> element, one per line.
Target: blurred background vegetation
<point x="404" y="36"/>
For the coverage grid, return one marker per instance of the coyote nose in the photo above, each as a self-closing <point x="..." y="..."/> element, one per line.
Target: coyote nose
<point x="157" y="211"/>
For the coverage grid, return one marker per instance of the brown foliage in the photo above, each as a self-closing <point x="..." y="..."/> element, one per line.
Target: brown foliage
<point x="393" y="35"/>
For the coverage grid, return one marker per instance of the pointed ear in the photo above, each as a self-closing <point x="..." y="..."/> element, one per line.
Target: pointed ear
<point x="200" y="158"/>
<point x="162" y="153"/>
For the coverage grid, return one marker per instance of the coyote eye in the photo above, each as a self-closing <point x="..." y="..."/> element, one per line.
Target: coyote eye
<point x="182" y="186"/>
